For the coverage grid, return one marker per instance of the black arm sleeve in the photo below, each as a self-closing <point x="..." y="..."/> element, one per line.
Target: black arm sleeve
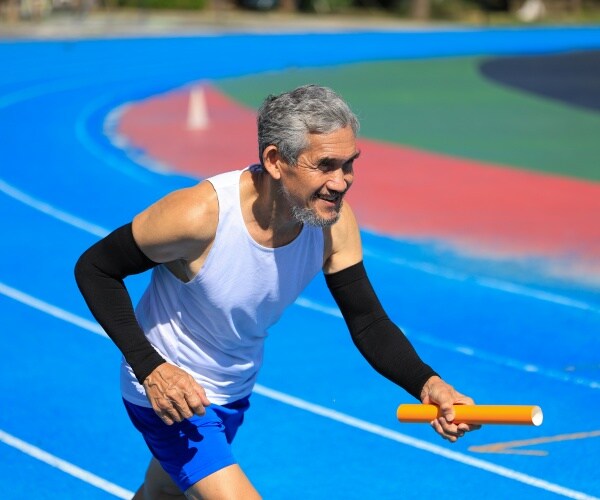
<point x="379" y="340"/>
<point x="99" y="273"/>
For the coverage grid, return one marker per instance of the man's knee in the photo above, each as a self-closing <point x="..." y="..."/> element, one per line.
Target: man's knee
<point x="229" y="482"/>
<point x="158" y="485"/>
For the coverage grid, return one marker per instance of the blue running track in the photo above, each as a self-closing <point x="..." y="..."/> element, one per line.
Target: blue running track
<point x="322" y="423"/>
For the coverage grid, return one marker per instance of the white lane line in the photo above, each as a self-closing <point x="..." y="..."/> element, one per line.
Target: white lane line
<point x="109" y="159"/>
<point x="495" y="284"/>
<point x="48" y="209"/>
<point x="63" y="465"/>
<point x="38" y="90"/>
<point x="357" y="423"/>
<point x="528" y="291"/>
<point x="315" y="306"/>
<point x="419" y="444"/>
<point x="57" y="312"/>
<point x="505" y="361"/>
<point x="488" y="357"/>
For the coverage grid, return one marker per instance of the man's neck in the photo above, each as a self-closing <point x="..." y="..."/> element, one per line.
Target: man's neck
<point x="266" y="211"/>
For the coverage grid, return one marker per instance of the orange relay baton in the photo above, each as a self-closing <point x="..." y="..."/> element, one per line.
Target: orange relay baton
<point x="474" y="414"/>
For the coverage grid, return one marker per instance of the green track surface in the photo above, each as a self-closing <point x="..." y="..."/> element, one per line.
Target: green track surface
<point x="447" y="106"/>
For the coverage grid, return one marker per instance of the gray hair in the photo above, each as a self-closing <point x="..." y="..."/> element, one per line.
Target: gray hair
<point x="285" y="120"/>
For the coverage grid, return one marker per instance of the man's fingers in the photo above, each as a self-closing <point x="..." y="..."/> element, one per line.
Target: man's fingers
<point x="468" y="427"/>
<point x="166" y="418"/>
<point x="185" y="400"/>
<point x="439" y="428"/>
<point x="196" y="404"/>
<point x="182" y="407"/>
<point x="449" y="432"/>
<point x="448" y="414"/>
<point x="165" y="411"/>
<point x="196" y="399"/>
<point x="203" y="397"/>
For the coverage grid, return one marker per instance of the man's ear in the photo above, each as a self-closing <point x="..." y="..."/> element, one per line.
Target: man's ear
<point x="272" y="161"/>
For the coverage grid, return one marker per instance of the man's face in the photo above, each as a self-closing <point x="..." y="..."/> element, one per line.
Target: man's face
<point x="316" y="186"/>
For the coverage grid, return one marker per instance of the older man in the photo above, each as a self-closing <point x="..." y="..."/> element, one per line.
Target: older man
<point x="229" y="256"/>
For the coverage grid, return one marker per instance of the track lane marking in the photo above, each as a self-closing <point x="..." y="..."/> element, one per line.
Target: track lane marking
<point x="46" y="208"/>
<point x="488" y="357"/>
<point x="508" y="447"/>
<point x="492" y="283"/>
<point x="63" y="465"/>
<point x="51" y="310"/>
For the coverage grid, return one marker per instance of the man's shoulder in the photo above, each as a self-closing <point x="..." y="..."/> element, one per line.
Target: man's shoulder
<point x="342" y="242"/>
<point x="345" y="225"/>
<point x="193" y="212"/>
<point x="199" y="205"/>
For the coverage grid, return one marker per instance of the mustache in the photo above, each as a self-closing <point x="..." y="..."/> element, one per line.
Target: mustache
<point x="339" y="194"/>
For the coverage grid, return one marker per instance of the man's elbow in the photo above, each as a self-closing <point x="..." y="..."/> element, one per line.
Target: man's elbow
<point x="83" y="269"/>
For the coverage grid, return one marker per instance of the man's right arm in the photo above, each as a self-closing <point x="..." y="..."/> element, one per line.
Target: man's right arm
<point x="181" y="227"/>
<point x="99" y="273"/>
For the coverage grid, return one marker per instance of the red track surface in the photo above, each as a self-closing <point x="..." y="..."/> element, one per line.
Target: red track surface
<point x="478" y="208"/>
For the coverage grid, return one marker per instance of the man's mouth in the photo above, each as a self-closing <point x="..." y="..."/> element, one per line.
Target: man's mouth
<point x="331" y="197"/>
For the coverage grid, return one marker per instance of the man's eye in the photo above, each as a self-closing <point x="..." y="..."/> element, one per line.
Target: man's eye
<point x="329" y="166"/>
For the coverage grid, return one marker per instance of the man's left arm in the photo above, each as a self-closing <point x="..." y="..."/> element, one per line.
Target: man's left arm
<point x="378" y="339"/>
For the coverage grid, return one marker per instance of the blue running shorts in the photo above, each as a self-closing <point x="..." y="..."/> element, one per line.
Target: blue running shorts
<point x="195" y="448"/>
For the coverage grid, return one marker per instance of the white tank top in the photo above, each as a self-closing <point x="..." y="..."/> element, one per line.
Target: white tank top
<point x="214" y="326"/>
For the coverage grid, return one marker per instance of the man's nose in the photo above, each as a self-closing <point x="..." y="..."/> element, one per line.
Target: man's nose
<point x="338" y="181"/>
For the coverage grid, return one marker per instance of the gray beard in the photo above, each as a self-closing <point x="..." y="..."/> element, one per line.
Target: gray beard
<point x="308" y="217"/>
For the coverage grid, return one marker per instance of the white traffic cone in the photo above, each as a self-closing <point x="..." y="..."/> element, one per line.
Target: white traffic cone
<point x="197" y="118"/>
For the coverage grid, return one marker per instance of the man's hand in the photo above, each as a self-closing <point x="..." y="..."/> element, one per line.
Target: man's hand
<point x="436" y="391"/>
<point x="174" y="394"/>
